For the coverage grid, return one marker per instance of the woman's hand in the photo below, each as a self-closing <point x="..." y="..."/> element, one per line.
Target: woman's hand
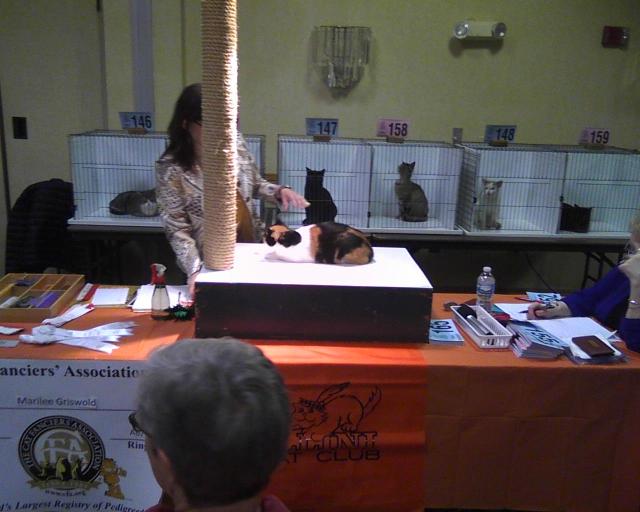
<point x="631" y="269"/>
<point x="557" y="309"/>
<point x="288" y="197"/>
<point x="191" y="282"/>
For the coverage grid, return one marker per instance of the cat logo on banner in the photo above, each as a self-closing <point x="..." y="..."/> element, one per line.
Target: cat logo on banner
<point x="330" y="426"/>
<point x="64" y="456"/>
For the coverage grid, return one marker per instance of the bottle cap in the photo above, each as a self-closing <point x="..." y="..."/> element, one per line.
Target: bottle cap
<point x="486" y="269"/>
<point x="157" y="273"/>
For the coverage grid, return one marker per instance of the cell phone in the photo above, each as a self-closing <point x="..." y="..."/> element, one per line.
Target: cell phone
<point x="593" y="346"/>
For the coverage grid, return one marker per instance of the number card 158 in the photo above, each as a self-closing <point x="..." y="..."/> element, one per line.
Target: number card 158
<point x="396" y="128"/>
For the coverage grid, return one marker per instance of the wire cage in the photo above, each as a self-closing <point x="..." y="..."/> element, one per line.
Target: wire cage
<point x="601" y="188"/>
<point x="105" y="163"/>
<point x="436" y="172"/>
<point x="528" y="181"/>
<point x="345" y="183"/>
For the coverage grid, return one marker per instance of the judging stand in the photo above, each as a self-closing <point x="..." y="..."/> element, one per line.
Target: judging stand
<point x="501" y="432"/>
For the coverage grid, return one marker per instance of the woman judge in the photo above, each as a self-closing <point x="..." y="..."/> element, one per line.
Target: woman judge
<point x="179" y="187"/>
<point x="614" y="300"/>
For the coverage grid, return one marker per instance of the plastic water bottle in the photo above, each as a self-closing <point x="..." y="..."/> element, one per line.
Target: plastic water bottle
<point x="485" y="288"/>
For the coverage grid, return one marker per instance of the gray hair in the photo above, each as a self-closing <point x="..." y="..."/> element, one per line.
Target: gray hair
<point x="219" y="409"/>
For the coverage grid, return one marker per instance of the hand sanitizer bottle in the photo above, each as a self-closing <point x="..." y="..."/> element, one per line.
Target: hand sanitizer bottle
<point x="160" y="298"/>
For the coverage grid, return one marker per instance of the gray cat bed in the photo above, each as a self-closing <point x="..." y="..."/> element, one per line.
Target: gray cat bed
<point x="388" y="299"/>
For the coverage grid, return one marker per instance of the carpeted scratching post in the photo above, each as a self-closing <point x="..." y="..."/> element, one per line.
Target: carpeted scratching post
<point x="219" y="142"/>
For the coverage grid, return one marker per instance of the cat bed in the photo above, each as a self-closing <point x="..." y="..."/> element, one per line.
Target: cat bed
<point x="388" y="299"/>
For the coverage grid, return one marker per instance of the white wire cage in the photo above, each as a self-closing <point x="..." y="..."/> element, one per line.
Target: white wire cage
<point x="436" y="171"/>
<point x="347" y="176"/>
<point x="531" y="179"/>
<point x="604" y="184"/>
<point x="105" y="163"/>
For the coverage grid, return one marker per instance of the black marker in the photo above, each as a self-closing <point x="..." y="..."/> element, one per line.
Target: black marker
<point x="470" y="316"/>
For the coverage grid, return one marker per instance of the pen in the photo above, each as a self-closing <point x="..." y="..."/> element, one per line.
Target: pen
<point x="548" y="305"/>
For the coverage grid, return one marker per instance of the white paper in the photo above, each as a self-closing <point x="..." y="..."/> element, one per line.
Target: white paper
<point x="143" y="298"/>
<point x="91" y="343"/>
<point x="110" y="296"/>
<point x="515" y="311"/>
<point x="71" y="314"/>
<point x="569" y="327"/>
<point x="8" y="343"/>
<point x="99" y="338"/>
<point x="563" y="328"/>
<point x="9" y="330"/>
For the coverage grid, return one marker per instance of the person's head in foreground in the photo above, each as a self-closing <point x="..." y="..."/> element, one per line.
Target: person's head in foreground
<point x="634" y="237"/>
<point x="216" y="418"/>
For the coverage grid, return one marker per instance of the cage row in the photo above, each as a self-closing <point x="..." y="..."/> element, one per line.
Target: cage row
<point x="425" y="187"/>
<point x="411" y="187"/>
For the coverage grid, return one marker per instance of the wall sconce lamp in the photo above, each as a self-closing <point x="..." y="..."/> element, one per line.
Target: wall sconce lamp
<point x="472" y="29"/>
<point x="340" y="54"/>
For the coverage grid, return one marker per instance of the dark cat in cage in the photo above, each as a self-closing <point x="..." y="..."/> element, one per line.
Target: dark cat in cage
<point x="321" y="207"/>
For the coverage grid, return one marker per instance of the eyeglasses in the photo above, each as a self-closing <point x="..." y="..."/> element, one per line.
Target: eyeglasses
<point x="136" y="426"/>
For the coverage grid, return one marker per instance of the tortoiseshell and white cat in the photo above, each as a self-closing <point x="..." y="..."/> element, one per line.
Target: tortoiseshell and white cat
<point x="325" y="242"/>
<point x="488" y="207"/>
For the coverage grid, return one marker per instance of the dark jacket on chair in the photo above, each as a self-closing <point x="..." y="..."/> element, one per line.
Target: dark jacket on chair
<point x="37" y="235"/>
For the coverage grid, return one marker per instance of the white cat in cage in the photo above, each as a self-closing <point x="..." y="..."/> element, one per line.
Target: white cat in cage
<point x="488" y="205"/>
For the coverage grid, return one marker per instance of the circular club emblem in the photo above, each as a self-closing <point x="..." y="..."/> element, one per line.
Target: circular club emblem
<point x="61" y="452"/>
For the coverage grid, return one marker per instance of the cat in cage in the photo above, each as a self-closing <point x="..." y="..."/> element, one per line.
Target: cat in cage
<point x="133" y="202"/>
<point x="488" y="205"/>
<point x="322" y="208"/>
<point x="412" y="201"/>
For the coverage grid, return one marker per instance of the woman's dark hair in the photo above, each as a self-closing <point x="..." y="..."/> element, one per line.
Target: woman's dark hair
<point x="188" y="109"/>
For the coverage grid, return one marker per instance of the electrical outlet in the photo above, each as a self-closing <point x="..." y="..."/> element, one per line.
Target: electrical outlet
<point x="19" y="127"/>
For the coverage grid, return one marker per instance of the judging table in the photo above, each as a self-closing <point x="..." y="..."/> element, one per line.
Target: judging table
<point x="501" y="432"/>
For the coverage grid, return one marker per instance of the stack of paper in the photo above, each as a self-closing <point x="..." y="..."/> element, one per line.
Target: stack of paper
<point x="143" y="298"/>
<point x="531" y="341"/>
<point x="110" y="296"/>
